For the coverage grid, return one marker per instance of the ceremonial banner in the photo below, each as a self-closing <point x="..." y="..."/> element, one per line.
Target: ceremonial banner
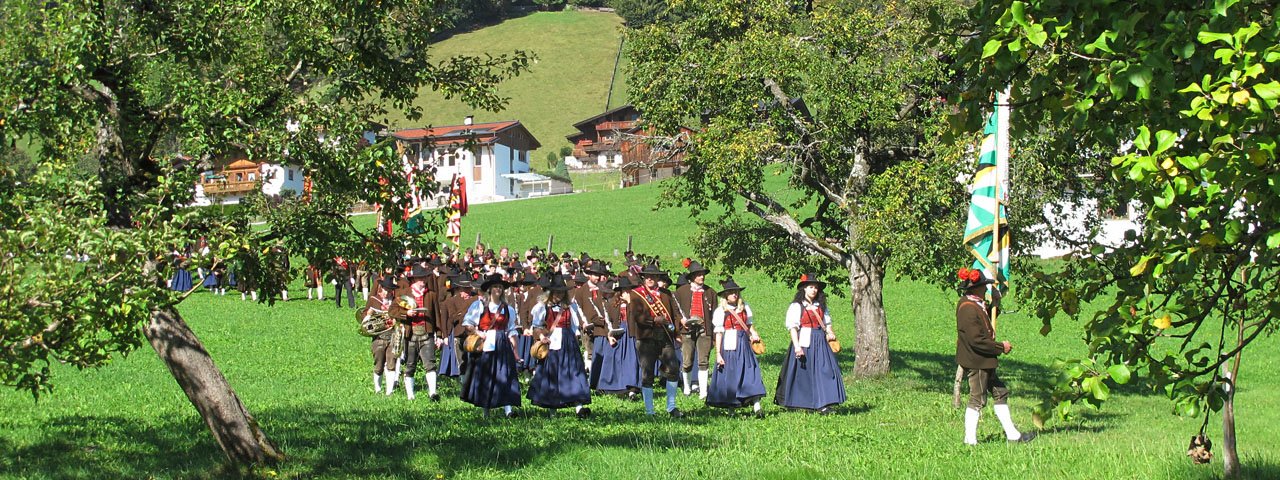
<point x="988" y="194"/>
<point x="457" y="208"/>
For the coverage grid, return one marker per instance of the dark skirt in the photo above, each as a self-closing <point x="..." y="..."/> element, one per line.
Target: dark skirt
<point x="615" y="368"/>
<point x="449" y="365"/>
<point x="523" y="344"/>
<point x="210" y="281"/>
<point x="815" y="381"/>
<point x="561" y="379"/>
<point x="493" y="381"/>
<point x="231" y="279"/>
<point x="738" y="383"/>
<point x="181" y="280"/>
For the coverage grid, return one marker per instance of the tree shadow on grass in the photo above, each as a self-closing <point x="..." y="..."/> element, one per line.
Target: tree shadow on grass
<point x="412" y="440"/>
<point x="936" y="372"/>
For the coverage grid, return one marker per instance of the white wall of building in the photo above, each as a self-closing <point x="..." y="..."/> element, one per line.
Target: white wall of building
<point x="1069" y="219"/>
<point x="276" y="178"/>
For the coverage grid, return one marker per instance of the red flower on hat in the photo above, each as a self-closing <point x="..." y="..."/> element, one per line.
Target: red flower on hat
<point x="804" y="277"/>
<point x="969" y="274"/>
<point x="686" y="262"/>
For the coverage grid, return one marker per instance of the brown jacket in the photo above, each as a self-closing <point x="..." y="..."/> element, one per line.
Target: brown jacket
<point x="646" y="324"/>
<point x="426" y="317"/>
<point x="452" y="311"/>
<point x="526" y="306"/>
<point x="592" y="309"/>
<point x="976" y="345"/>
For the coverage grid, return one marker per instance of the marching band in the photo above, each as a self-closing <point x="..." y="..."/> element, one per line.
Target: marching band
<point x="568" y="328"/>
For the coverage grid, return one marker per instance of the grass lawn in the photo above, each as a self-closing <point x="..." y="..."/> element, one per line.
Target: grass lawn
<point x="596" y="181"/>
<point x="305" y="374"/>
<point x="568" y="83"/>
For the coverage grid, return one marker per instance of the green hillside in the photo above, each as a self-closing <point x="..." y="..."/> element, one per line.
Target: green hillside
<point x="568" y="82"/>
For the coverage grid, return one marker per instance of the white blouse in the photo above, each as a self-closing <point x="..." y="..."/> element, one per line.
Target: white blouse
<point x="717" y="318"/>
<point x="795" y="310"/>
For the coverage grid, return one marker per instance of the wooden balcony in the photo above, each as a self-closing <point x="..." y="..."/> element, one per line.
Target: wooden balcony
<point x="622" y="125"/>
<point x="219" y="187"/>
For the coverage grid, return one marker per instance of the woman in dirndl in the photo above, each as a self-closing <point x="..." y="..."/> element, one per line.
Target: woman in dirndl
<point x="210" y="281"/>
<point x="617" y="363"/>
<point x="493" y="380"/>
<point x="560" y="379"/>
<point x="810" y="378"/>
<point x="736" y="382"/>
<point x="181" y="280"/>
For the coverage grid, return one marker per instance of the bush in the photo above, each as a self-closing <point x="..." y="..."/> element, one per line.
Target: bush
<point x="639" y="13"/>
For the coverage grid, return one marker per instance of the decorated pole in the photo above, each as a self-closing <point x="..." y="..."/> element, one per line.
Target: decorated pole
<point x="984" y="236"/>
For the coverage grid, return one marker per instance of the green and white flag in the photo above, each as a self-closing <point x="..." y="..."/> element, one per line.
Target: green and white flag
<point x="988" y="195"/>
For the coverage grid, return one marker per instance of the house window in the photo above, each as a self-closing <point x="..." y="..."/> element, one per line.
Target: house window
<point x="477" y="171"/>
<point x="290" y="175"/>
<point x="239" y="177"/>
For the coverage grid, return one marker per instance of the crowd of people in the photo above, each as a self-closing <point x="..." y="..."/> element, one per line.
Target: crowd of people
<point x="563" y="329"/>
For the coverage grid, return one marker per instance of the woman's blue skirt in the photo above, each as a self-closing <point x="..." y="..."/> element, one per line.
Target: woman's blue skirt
<point x="738" y="383"/>
<point x="561" y="379"/>
<point x="813" y="381"/>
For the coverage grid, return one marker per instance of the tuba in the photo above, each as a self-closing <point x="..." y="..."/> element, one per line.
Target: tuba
<point x="374" y="322"/>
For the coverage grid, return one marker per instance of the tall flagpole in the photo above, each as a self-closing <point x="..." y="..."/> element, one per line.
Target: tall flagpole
<point x="1002" y="172"/>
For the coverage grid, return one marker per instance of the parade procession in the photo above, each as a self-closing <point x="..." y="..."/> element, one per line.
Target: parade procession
<point x="562" y="329"/>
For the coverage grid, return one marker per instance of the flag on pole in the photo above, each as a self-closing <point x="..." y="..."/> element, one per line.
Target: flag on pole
<point x="986" y="234"/>
<point x="457" y="208"/>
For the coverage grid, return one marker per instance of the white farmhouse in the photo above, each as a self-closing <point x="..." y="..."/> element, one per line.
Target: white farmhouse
<point x="231" y="179"/>
<point x="493" y="158"/>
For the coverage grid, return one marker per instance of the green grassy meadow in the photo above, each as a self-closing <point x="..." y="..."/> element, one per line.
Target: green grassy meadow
<point x="303" y="371"/>
<point x="568" y="82"/>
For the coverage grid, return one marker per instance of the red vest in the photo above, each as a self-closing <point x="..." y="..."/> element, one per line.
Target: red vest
<point x="420" y="301"/>
<point x="492" y="321"/>
<point x="812" y="318"/>
<point x="732" y="321"/>
<point x="695" y="304"/>
<point x="558" y="319"/>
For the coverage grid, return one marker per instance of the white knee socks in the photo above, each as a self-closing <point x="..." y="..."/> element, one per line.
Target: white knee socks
<point x="377" y="382"/>
<point x="431" y="383"/>
<point x="671" y="395"/>
<point x="1002" y="412"/>
<point x="408" y="387"/>
<point x="391" y="377"/>
<point x="647" y="393"/>
<point x="702" y="384"/>
<point x="971" y="426"/>
<point x="687" y="386"/>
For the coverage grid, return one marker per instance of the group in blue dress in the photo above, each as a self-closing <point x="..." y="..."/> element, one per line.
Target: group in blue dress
<point x="497" y="316"/>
